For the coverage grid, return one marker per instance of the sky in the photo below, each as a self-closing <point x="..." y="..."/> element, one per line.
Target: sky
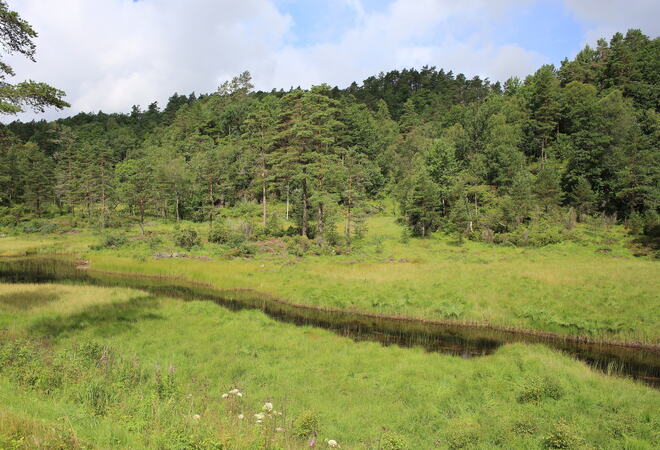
<point x="111" y="54"/>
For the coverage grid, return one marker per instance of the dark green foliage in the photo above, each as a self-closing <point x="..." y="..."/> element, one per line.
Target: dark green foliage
<point x="38" y="226"/>
<point x="220" y="234"/>
<point x="241" y="250"/>
<point x="187" y="238"/>
<point x="16" y="36"/>
<point x="113" y="240"/>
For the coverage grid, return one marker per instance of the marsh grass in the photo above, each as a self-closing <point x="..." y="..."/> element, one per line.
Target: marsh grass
<point x="361" y="394"/>
<point x="568" y="288"/>
<point x="455" y="337"/>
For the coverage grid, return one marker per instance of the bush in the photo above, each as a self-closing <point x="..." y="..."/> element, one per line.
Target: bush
<point x="220" y="234"/>
<point x="537" y="388"/>
<point x="187" y="238"/>
<point x="244" y="209"/>
<point x="393" y="441"/>
<point x="114" y="240"/>
<point x="243" y="249"/>
<point x="563" y="435"/>
<point x="299" y="245"/>
<point x="306" y="425"/>
<point x="39" y="226"/>
<point x="11" y="216"/>
<point x="274" y="226"/>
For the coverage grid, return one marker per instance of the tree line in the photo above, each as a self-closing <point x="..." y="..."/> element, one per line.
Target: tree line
<point x="483" y="159"/>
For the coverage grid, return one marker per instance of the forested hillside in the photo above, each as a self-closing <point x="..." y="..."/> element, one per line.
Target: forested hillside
<point x="518" y="162"/>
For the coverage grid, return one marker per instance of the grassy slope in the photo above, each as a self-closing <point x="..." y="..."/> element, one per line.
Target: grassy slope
<point x="594" y="287"/>
<point x="357" y="388"/>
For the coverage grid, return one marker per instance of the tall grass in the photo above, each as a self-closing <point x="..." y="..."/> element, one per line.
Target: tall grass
<point x="641" y="360"/>
<point x="362" y="393"/>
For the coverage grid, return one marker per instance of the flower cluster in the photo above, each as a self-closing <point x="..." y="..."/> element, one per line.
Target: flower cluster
<point x="267" y="412"/>
<point x="333" y="444"/>
<point x="234" y="393"/>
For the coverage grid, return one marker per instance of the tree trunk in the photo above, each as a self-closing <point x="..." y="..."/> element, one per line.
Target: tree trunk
<point x="142" y="216"/>
<point x="103" y="200"/>
<point x="178" y="216"/>
<point x="212" y="204"/>
<point x="304" y="210"/>
<point x="287" y="201"/>
<point x="321" y="219"/>
<point x="263" y="202"/>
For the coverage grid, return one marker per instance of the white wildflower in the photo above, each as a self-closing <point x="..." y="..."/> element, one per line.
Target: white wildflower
<point x="197" y="417"/>
<point x="333" y="444"/>
<point x="234" y="391"/>
<point x="241" y="416"/>
<point x="268" y="406"/>
<point x="280" y="430"/>
<point x="259" y="416"/>
<point x="260" y="421"/>
<point x="238" y="394"/>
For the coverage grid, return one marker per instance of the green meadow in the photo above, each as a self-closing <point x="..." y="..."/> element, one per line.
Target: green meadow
<point x="90" y="367"/>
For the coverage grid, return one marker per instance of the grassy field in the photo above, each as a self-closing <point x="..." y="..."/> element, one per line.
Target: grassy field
<point x="592" y="285"/>
<point x="88" y="366"/>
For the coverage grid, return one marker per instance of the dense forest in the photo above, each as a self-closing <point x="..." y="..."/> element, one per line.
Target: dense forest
<point x="518" y="162"/>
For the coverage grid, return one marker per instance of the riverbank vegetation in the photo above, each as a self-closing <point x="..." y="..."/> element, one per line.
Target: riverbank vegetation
<point x="592" y="286"/>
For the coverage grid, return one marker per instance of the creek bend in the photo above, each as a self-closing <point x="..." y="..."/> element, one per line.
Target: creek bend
<point x="639" y="361"/>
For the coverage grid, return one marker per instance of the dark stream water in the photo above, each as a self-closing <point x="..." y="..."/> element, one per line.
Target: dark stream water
<point x="641" y="362"/>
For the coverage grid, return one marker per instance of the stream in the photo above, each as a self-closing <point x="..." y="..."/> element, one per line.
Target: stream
<point x="639" y="361"/>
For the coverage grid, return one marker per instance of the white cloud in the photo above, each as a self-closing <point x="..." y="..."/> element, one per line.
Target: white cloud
<point x="410" y="34"/>
<point x="111" y="54"/>
<point x="603" y="18"/>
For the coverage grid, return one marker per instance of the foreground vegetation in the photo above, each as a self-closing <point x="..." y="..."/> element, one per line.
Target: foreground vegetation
<point x="121" y="368"/>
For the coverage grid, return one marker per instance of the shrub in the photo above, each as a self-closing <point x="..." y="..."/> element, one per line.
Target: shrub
<point x="274" y="226"/>
<point x="90" y="352"/>
<point x="299" y="245"/>
<point x="570" y="219"/>
<point x="405" y="236"/>
<point x="243" y="249"/>
<point x="39" y="226"/>
<point x="536" y="389"/>
<point x="187" y="238"/>
<point x="246" y="228"/>
<point x="563" y="435"/>
<point x="245" y="209"/>
<point x="306" y="425"/>
<point x="393" y="441"/>
<point x="11" y="216"/>
<point x="524" y="427"/>
<point x="114" y="240"/>
<point x="379" y="244"/>
<point x="220" y="234"/>
<point x="487" y="235"/>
